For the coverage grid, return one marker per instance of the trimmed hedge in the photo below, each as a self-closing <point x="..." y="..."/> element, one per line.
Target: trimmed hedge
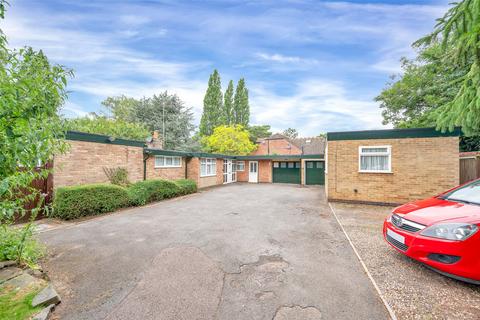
<point x="146" y="191"/>
<point x="186" y="186"/>
<point x="79" y="201"/>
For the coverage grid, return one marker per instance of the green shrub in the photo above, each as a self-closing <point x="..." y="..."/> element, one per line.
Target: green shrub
<point x="186" y="186"/>
<point x="78" y="201"/>
<point x="18" y="244"/>
<point x="146" y="191"/>
<point x="118" y="176"/>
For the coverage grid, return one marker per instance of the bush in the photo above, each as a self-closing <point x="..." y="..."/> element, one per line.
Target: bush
<point x="18" y="244"/>
<point x="78" y="201"/>
<point x="117" y="176"/>
<point x="186" y="186"/>
<point x="146" y="191"/>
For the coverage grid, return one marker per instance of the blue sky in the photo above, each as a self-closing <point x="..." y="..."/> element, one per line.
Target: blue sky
<point x="312" y="65"/>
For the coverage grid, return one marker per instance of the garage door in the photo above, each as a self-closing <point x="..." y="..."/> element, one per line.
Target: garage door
<point x="314" y="172"/>
<point x="286" y="172"/>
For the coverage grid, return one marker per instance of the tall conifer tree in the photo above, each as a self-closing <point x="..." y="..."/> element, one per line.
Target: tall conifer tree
<point x="228" y="116"/>
<point x="240" y="104"/>
<point x="212" y="105"/>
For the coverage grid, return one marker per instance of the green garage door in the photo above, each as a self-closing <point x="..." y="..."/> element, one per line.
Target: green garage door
<point x="314" y="172"/>
<point x="286" y="172"/>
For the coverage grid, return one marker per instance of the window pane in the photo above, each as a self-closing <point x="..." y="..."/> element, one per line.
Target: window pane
<point x="291" y="165"/>
<point x="168" y="161"/>
<point x="320" y="165"/>
<point x="159" y="161"/>
<point x="275" y="164"/>
<point x="283" y="164"/>
<point x="297" y="165"/>
<point x="375" y="163"/>
<point x="203" y="169"/>
<point x="176" y="161"/>
<point x="310" y="165"/>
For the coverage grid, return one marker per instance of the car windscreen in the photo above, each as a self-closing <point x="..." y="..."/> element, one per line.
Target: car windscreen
<point x="469" y="193"/>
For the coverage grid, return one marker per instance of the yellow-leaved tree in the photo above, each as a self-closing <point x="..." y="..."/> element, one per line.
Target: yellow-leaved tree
<point x="230" y="140"/>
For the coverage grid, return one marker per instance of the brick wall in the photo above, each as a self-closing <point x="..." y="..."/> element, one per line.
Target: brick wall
<point x="193" y="172"/>
<point x="276" y="146"/>
<point x="84" y="163"/>
<point x="164" y="173"/>
<point x="421" y="167"/>
<point x="265" y="171"/>
<point x="242" y="176"/>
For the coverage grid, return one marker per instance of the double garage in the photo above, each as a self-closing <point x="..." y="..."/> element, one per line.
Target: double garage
<point x="291" y="172"/>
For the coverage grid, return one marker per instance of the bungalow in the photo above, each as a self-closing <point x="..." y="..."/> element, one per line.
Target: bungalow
<point x="376" y="166"/>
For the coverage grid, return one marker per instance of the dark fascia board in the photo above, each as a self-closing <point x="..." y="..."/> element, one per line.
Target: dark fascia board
<point x="281" y="157"/>
<point x="99" y="138"/>
<point x="392" y="134"/>
<point x="186" y="154"/>
<point x="210" y="155"/>
<point x="160" y="152"/>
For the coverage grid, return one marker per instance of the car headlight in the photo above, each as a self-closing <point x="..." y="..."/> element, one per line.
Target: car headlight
<point x="450" y="231"/>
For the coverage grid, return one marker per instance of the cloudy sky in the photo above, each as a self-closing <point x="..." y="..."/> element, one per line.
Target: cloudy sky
<point x="311" y="65"/>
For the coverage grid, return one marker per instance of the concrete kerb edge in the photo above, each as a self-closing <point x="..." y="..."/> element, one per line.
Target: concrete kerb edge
<point x="385" y="303"/>
<point x="126" y="210"/>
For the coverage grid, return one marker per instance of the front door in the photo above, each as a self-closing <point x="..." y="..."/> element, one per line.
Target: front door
<point x="253" y="171"/>
<point x="229" y="174"/>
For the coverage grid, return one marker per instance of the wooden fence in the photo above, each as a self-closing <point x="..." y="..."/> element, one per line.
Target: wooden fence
<point x="45" y="186"/>
<point x="469" y="166"/>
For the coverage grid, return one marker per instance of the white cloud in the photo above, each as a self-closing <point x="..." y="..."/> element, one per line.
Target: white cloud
<point x="317" y="105"/>
<point x="322" y="52"/>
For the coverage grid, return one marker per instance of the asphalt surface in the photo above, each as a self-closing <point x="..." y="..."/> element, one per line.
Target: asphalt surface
<point x="263" y="251"/>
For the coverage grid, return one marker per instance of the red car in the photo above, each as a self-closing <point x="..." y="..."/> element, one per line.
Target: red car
<point x="442" y="232"/>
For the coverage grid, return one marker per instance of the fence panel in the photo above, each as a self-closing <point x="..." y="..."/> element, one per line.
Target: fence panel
<point x="469" y="169"/>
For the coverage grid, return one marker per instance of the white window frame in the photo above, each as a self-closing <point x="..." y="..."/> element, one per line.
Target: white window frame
<point x="208" y="163"/>
<point x="164" y="165"/>
<point x="242" y="165"/>
<point x="388" y="153"/>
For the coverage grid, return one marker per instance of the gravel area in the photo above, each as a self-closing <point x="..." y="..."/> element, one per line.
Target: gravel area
<point x="412" y="290"/>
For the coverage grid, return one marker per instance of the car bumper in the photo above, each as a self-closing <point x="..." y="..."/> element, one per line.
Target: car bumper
<point x="424" y="249"/>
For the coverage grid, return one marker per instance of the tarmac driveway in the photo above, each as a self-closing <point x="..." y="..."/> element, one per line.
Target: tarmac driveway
<point x="242" y="251"/>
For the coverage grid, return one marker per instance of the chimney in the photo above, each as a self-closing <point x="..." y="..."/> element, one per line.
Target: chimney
<point x="157" y="141"/>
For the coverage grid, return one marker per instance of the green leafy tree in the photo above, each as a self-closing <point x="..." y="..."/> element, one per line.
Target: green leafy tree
<point x="241" y="107"/>
<point x="228" y="105"/>
<point x="121" y="107"/>
<point x="111" y="127"/>
<point x="259" y="132"/>
<point x="163" y="112"/>
<point x="31" y="132"/>
<point x="458" y="32"/>
<point x="231" y="140"/>
<point x="169" y="115"/>
<point x="290" y="133"/>
<point x="427" y="83"/>
<point x="212" y="105"/>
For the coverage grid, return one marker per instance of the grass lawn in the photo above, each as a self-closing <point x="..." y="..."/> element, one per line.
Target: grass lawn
<point x="17" y="304"/>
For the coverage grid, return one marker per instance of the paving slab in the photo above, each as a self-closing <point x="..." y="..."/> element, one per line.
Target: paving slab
<point x="242" y="251"/>
<point x="47" y="296"/>
<point x="9" y="273"/>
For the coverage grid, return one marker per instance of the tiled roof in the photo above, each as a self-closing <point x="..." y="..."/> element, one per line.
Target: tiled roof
<point x="314" y="145"/>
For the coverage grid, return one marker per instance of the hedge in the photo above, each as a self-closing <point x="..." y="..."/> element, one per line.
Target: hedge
<point x="186" y="186"/>
<point x="78" y="201"/>
<point x="146" y="191"/>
